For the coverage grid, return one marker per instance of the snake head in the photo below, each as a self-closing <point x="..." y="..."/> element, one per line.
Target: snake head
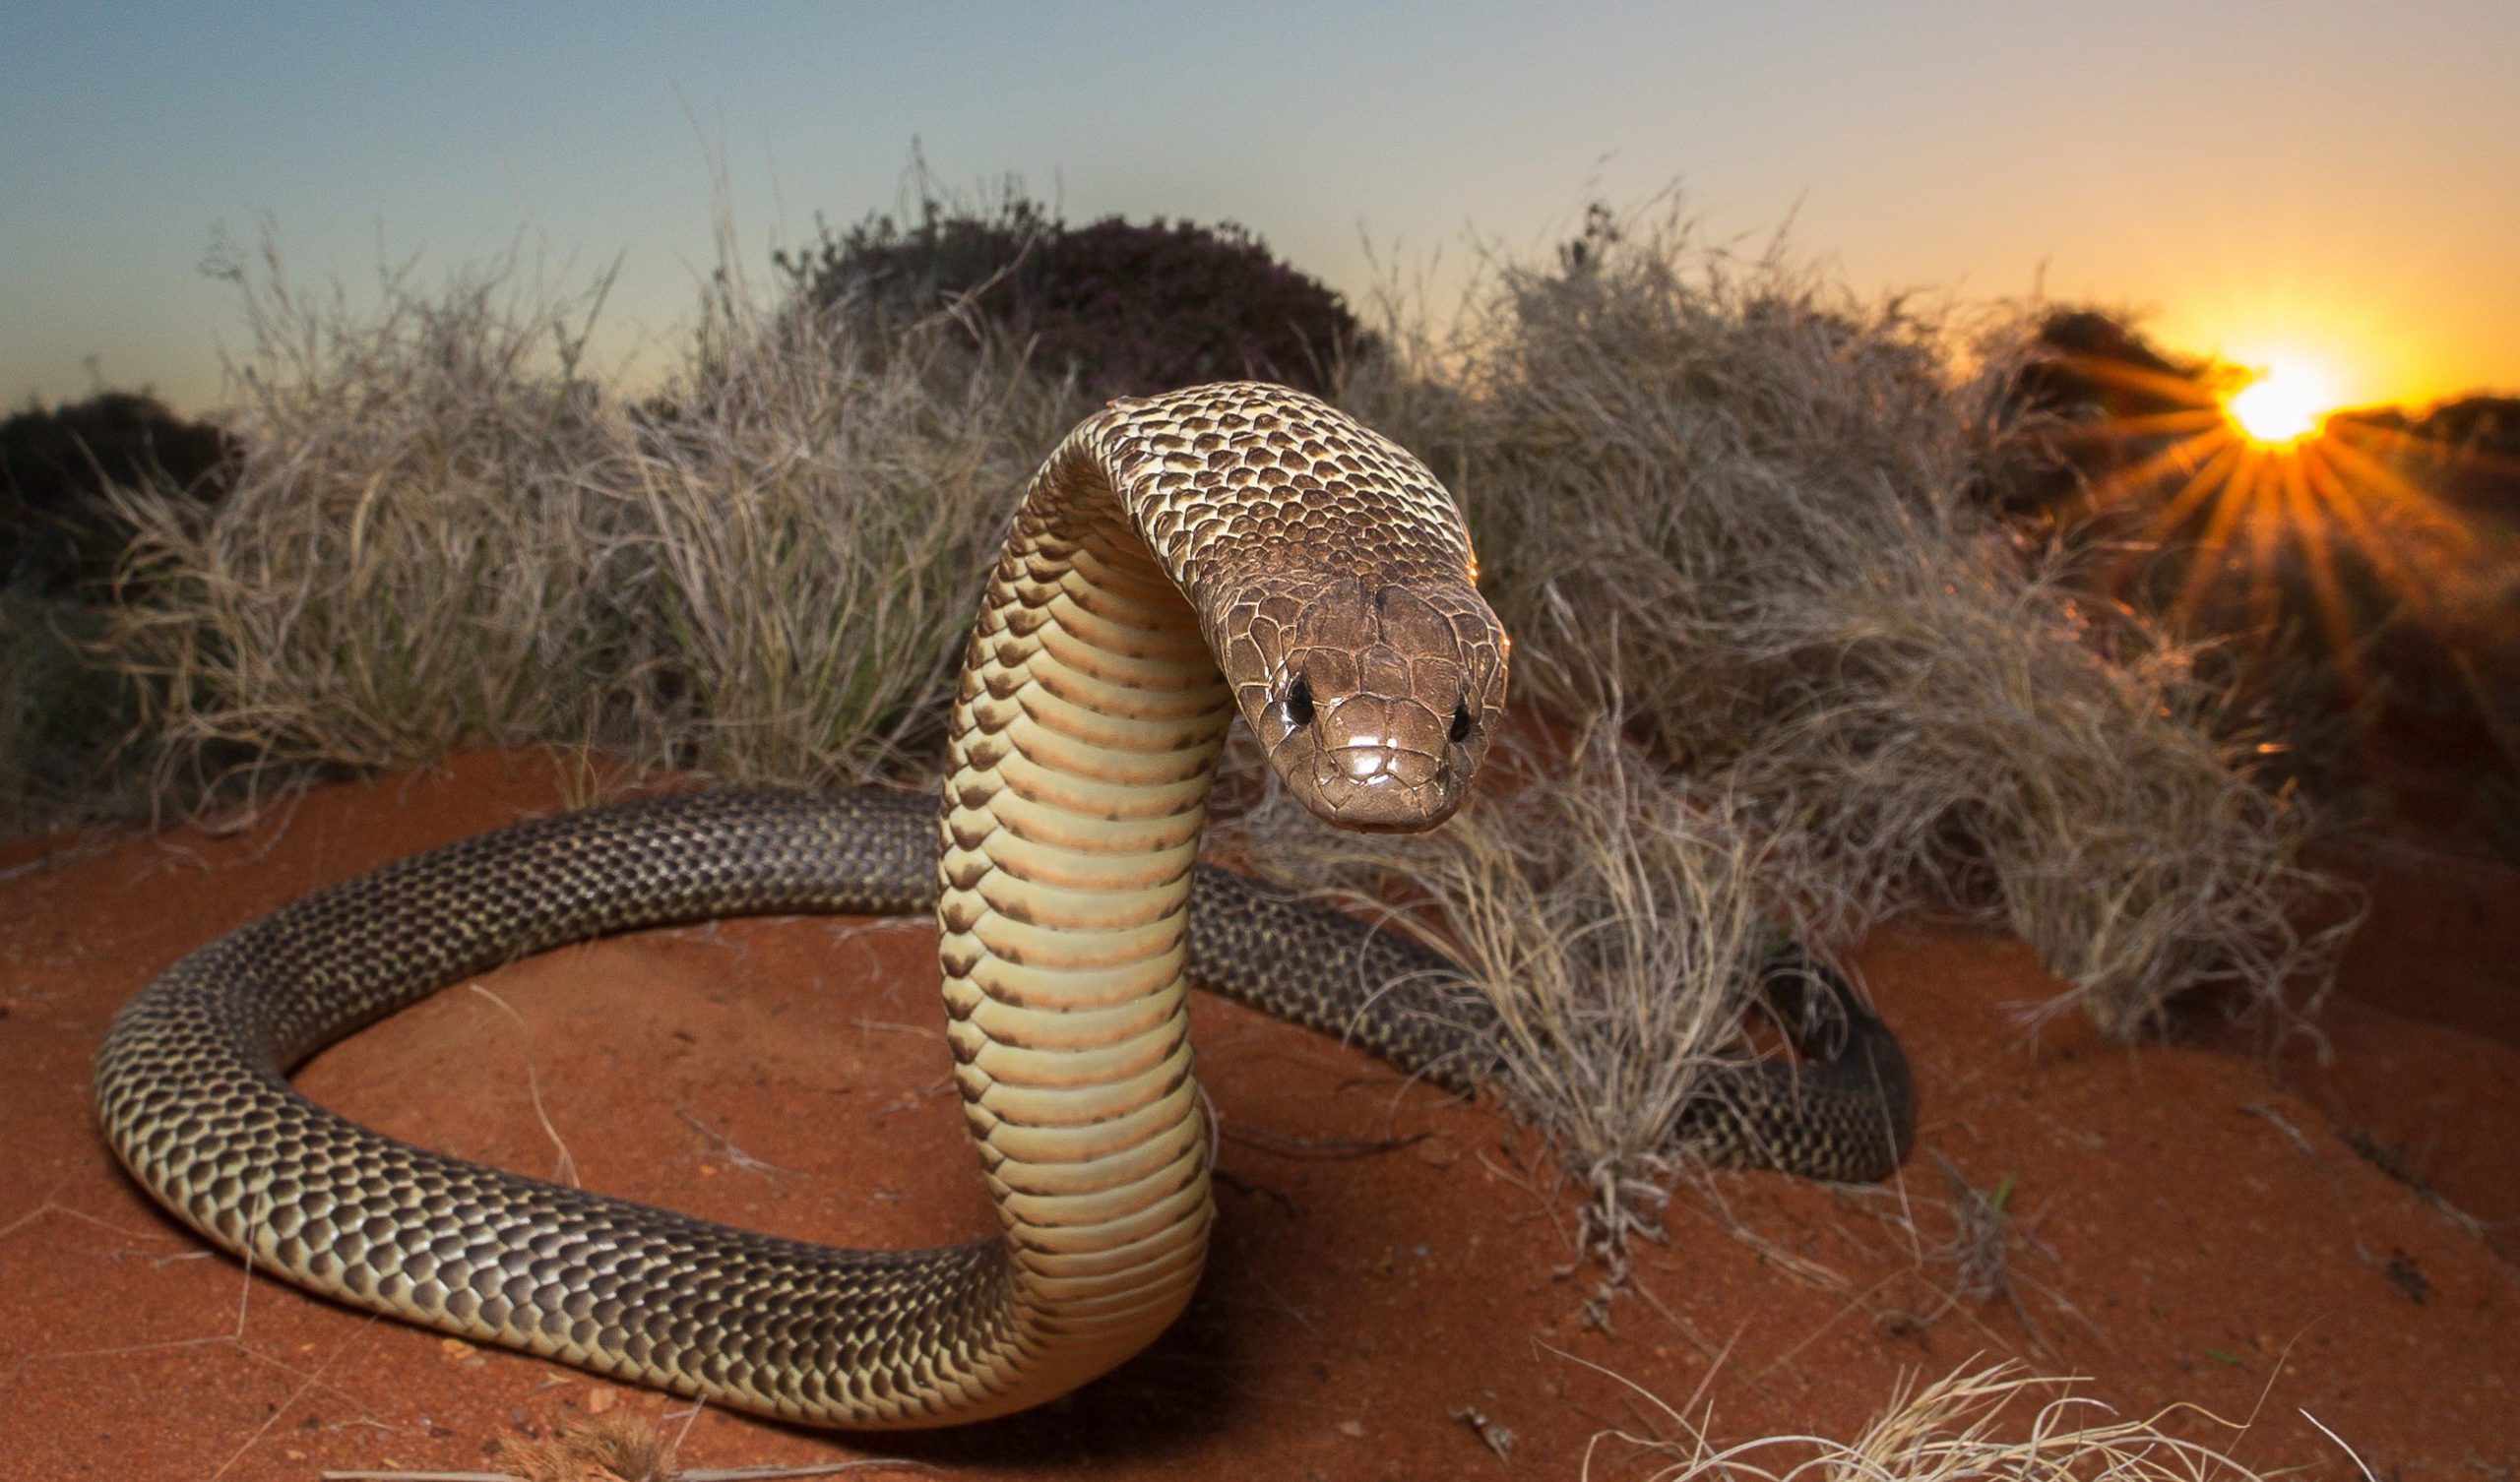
<point x="1374" y="701"/>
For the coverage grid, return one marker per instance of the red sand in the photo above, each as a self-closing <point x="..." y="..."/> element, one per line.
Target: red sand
<point x="2186" y="1229"/>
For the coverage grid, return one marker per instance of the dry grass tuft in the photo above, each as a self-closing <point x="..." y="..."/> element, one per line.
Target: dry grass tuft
<point x="616" y="1448"/>
<point x="1732" y="494"/>
<point x="818" y="502"/>
<point x="442" y="536"/>
<point x="1613" y="917"/>
<point x="1950" y="1429"/>
<point x="416" y="556"/>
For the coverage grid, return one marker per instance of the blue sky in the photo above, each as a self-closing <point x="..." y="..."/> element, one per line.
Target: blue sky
<point x="2341" y="180"/>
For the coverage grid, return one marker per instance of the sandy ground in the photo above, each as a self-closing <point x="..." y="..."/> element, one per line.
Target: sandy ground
<point x="2183" y="1223"/>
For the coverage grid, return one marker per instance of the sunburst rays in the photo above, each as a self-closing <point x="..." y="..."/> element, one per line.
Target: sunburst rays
<point x="2237" y="515"/>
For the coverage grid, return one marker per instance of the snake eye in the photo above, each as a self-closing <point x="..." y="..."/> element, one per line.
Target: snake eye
<point x="1461" y="722"/>
<point x="1299" y="700"/>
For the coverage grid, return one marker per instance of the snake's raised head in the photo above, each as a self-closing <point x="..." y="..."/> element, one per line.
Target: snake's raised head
<point x="1334" y="581"/>
<point x="1374" y="700"/>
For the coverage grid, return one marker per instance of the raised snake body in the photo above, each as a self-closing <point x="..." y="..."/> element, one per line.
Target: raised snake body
<point x="1230" y="547"/>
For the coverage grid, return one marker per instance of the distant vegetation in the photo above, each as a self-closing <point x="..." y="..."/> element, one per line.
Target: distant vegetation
<point x="2464" y="453"/>
<point x="56" y="462"/>
<point x="1123" y="308"/>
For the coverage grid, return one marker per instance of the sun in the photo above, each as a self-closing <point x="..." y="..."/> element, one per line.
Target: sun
<point x="2289" y="403"/>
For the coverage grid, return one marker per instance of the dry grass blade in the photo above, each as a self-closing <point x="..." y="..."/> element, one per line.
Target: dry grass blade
<point x="1952" y="1429"/>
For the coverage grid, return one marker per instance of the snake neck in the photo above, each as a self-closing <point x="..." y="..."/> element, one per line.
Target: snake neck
<point x="1083" y="738"/>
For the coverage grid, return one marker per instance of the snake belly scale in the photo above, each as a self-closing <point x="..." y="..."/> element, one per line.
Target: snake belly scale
<point x="1230" y="548"/>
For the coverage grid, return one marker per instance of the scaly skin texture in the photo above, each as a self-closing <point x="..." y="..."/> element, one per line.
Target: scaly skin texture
<point x="1319" y="562"/>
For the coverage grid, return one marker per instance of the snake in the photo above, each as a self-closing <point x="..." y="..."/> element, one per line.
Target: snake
<point x="1234" y="549"/>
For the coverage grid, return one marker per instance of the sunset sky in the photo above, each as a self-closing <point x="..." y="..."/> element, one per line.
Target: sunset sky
<point x="2336" y="181"/>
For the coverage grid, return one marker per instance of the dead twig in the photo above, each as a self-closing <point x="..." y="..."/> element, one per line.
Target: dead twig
<point x="736" y="1156"/>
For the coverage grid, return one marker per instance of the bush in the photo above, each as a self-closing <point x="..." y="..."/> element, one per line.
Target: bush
<point x="412" y="557"/>
<point x="64" y="712"/>
<point x="56" y="463"/>
<point x="1719" y="498"/>
<point x="1125" y="309"/>
<point x="2074" y="381"/>
<point x="814" y="509"/>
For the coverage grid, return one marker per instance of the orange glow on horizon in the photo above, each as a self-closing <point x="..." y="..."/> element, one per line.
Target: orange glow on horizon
<point x="2362" y="333"/>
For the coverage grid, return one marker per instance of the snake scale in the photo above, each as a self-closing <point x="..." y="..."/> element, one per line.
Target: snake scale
<point x="1237" y="547"/>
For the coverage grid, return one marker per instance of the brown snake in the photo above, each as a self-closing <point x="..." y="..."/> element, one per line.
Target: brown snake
<point x="1230" y="548"/>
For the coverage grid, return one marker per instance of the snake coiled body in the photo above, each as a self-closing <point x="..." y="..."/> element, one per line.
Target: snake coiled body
<point x="1232" y="547"/>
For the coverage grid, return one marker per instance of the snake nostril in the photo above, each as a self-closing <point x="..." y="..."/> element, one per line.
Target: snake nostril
<point x="1462" y="726"/>
<point x="1299" y="702"/>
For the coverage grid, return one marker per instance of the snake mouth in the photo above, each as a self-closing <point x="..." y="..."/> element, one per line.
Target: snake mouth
<point x="1384" y="782"/>
<point x="1371" y="759"/>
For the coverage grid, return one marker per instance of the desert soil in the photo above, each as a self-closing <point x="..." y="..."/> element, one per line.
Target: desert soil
<point x="2180" y="1222"/>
